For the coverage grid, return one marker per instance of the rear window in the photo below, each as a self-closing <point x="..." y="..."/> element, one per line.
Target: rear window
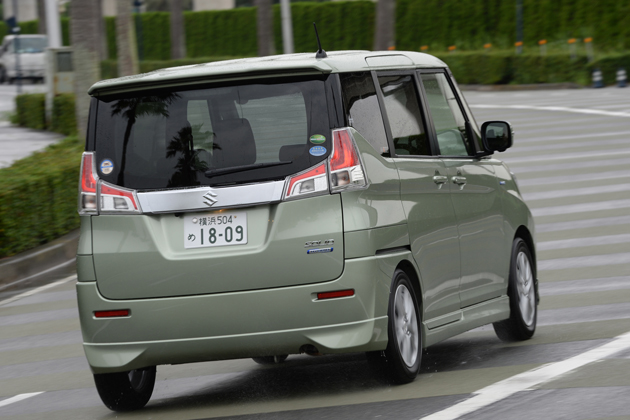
<point x="221" y="135"/>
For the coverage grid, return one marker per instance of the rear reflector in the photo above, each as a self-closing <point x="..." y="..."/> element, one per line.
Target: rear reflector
<point x="111" y="314"/>
<point x="336" y="294"/>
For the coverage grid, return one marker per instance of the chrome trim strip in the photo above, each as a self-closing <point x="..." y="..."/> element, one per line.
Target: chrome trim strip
<point x="195" y="199"/>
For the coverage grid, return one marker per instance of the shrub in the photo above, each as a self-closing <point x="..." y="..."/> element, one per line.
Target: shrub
<point x="31" y="110"/>
<point x="63" y="115"/>
<point x="38" y="197"/>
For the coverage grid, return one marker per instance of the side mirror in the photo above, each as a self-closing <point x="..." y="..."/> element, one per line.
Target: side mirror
<point x="497" y="136"/>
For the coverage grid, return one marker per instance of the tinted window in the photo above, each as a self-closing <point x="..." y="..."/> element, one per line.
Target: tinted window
<point x="172" y="137"/>
<point x="362" y="109"/>
<point x="403" y="112"/>
<point x="448" y="119"/>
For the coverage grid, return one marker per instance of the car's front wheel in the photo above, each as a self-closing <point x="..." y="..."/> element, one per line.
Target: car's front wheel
<point x="400" y="361"/>
<point x="126" y="391"/>
<point x="521" y="324"/>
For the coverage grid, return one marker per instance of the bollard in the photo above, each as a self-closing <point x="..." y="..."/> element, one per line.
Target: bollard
<point x="598" y="79"/>
<point x="621" y="77"/>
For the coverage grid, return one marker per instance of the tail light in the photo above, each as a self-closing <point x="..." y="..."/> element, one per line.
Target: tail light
<point x="114" y="199"/>
<point x="87" y="185"/>
<point x="312" y="181"/>
<point x="96" y="196"/>
<point x="342" y="171"/>
<point x="346" y="170"/>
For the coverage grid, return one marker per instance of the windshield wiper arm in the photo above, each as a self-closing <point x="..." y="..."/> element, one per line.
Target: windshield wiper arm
<point x="224" y="171"/>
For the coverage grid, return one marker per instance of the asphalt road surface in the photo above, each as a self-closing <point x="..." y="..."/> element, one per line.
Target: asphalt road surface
<point x="572" y="160"/>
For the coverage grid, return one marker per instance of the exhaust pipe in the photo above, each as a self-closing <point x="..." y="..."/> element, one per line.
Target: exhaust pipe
<point x="310" y="349"/>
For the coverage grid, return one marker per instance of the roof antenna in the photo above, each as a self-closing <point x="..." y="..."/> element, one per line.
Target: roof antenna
<point x="320" y="52"/>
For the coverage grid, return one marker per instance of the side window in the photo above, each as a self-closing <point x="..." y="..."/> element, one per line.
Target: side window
<point x="362" y="110"/>
<point x="403" y="111"/>
<point x="449" y="122"/>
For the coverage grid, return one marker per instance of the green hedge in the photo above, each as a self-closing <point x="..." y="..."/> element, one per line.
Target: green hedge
<point x="109" y="68"/>
<point x="609" y="66"/>
<point x="63" y="115"/>
<point x="469" y="24"/>
<point x="31" y="113"/>
<point x="342" y="25"/>
<point x="506" y="67"/>
<point x="38" y="197"/>
<point x="221" y="33"/>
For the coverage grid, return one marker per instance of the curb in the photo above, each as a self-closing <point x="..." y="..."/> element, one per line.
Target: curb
<point x="56" y="254"/>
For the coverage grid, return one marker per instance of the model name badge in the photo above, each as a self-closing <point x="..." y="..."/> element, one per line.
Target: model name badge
<point x="319" y="250"/>
<point x="327" y="242"/>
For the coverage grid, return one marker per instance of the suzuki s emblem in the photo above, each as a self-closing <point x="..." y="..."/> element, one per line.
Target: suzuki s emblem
<point x="209" y="198"/>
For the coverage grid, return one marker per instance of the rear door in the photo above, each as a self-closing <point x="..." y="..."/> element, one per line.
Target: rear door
<point x="208" y="166"/>
<point x="474" y="192"/>
<point x="425" y="193"/>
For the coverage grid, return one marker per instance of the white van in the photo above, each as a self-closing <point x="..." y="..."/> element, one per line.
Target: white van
<point x="31" y="49"/>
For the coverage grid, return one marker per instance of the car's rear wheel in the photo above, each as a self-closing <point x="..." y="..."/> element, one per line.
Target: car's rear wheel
<point x="522" y="293"/>
<point x="400" y="361"/>
<point x="126" y="391"/>
<point x="270" y="360"/>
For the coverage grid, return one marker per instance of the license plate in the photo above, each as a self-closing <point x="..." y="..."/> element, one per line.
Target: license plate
<point x="215" y="229"/>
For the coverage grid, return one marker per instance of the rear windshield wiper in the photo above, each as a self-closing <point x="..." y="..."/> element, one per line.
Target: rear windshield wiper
<point x="224" y="171"/>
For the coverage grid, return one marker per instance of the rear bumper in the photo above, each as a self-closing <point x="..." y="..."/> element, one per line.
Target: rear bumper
<point x="240" y="324"/>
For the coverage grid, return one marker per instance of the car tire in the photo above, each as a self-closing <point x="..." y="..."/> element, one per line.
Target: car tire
<point x="126" y="391"/>
<point x="270" y="360"/>
<point x="521" y="324"/>
<point x="400" y="361"/>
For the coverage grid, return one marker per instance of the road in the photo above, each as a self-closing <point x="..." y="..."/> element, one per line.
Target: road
<point x="16" y="142"/>
<point x="572" y="160"/>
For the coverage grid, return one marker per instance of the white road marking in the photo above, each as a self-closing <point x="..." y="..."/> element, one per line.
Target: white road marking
<point x="581" y="208"/>
<point x="527" y="380"/>
<point x="39" y="289"/>
<point x="582" y="242"/>
<point x="18" y="398"/>
<point x="583" y="262"/>
<point x="576" y="192"/>
<point x="556" y="108"/>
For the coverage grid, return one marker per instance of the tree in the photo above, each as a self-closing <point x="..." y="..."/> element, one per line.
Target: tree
<point x="384" y="36"/>
<point x="104" y="52"/>
<point x="263" y="22"/>
<point x="126" y="40"/>
<point x="41" y="16"/>
<point x="178" y="45"/>
<point x="86" y="43"/>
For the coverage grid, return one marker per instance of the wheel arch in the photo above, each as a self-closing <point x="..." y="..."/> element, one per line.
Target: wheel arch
<point x="524" y="233"/>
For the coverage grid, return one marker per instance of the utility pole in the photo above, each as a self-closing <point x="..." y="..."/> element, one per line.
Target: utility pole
<point x="287" y="26"/>
<point x="53" y="27"/>
<point x="384" y="36"/>
<point x="178" y="44"/>
<point x="16" y="45"/>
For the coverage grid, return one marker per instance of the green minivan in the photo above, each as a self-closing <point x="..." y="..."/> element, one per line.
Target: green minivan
<point x="264" y="207"/>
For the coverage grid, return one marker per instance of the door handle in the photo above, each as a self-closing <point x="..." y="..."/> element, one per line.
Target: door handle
<point x="459" y="180"/>
<point x="440" y="179"/>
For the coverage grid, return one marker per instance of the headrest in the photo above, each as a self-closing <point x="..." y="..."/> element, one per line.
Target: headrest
<point x="290" y="152"/>
<point x="234" y="143"/>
